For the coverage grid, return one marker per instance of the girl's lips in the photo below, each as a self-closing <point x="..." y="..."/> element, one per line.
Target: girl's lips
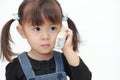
<point x="45" y="45"/>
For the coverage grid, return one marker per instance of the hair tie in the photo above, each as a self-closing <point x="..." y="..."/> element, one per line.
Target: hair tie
<point x="65" y="16"/>
<point x="15" y="16"/>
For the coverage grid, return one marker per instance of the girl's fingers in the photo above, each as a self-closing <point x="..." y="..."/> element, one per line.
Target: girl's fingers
<point x="68" y="42"/>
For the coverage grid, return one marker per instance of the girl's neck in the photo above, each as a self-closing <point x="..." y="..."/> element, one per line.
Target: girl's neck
<point x="40" y="57"/>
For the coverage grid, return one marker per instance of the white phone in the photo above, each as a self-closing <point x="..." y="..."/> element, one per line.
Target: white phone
<point x="61" y="37"/>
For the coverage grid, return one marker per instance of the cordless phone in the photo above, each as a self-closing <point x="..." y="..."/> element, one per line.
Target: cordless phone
<point x="61" y="37"/>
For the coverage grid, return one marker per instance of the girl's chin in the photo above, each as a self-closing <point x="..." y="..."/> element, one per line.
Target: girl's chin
<point x="45" y="51"/>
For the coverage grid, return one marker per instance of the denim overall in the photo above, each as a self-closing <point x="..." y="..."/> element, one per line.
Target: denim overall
<point x="59" y="74"/>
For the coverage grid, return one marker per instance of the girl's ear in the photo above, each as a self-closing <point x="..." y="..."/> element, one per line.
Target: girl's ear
<point x="21" y="31"/>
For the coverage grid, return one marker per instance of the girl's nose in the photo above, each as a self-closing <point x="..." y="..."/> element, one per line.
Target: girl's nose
<point x="45" y="36"/>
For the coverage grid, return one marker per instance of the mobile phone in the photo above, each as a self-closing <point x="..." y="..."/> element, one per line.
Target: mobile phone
<point x="61" y="37"/>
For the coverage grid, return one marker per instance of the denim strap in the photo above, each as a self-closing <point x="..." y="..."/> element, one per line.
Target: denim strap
<point x="58" y="61"/>
<point x="26" y="66"/>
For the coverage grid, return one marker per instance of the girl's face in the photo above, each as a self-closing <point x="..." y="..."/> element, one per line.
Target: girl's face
<point x="41" y="38"/>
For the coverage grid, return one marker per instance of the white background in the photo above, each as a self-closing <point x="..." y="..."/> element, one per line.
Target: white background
<point x="98" y="22"/>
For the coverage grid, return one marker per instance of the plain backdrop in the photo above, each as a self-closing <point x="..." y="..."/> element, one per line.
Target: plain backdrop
<point x="98" y="22"/>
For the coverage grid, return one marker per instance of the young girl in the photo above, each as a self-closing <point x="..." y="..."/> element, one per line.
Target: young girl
<point x="40" y="21"/>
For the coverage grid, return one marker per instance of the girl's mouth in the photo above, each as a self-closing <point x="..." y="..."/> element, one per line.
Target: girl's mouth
<point x="45" y="45"/>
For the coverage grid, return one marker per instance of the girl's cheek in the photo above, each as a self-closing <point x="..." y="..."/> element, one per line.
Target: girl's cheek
<point x="54" y="38"/>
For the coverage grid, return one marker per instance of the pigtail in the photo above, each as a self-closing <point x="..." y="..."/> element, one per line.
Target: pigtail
<point x="76" y="37"/>
<point x="5" y="41"/>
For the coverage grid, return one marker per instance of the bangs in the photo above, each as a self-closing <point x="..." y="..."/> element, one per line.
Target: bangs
<point x="42" y="11"/>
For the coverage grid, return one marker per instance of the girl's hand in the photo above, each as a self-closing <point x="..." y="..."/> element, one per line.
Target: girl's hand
<point x="71" y="56"/>
<point x="68" y="41"/>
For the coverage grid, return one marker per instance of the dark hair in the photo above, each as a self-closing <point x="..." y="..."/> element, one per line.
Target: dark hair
<point x="35" y="12"/>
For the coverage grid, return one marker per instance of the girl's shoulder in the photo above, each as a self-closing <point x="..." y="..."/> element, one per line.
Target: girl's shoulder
<point x="13" y="65"/>
<point x="13" y="70"/>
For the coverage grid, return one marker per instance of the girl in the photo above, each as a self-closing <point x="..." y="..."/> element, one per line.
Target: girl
<point x="40" y="22"/>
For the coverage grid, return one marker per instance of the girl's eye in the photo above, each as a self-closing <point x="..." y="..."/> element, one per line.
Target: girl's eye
<point x="36" y="29"/>
<point x="52" y="28"/>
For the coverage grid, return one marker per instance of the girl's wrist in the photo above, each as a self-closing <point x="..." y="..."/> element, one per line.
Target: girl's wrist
<point x="72" y="57"/>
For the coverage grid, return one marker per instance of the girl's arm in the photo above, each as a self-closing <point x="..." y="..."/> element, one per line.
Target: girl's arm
<point x="80" y="72"/>
<point x="70" y="55"/>
<point x="76" y="68"/>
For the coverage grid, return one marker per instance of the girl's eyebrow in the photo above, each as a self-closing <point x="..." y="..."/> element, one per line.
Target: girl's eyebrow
<point x="55" y="25"/>
<point x="51" y="24"/>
